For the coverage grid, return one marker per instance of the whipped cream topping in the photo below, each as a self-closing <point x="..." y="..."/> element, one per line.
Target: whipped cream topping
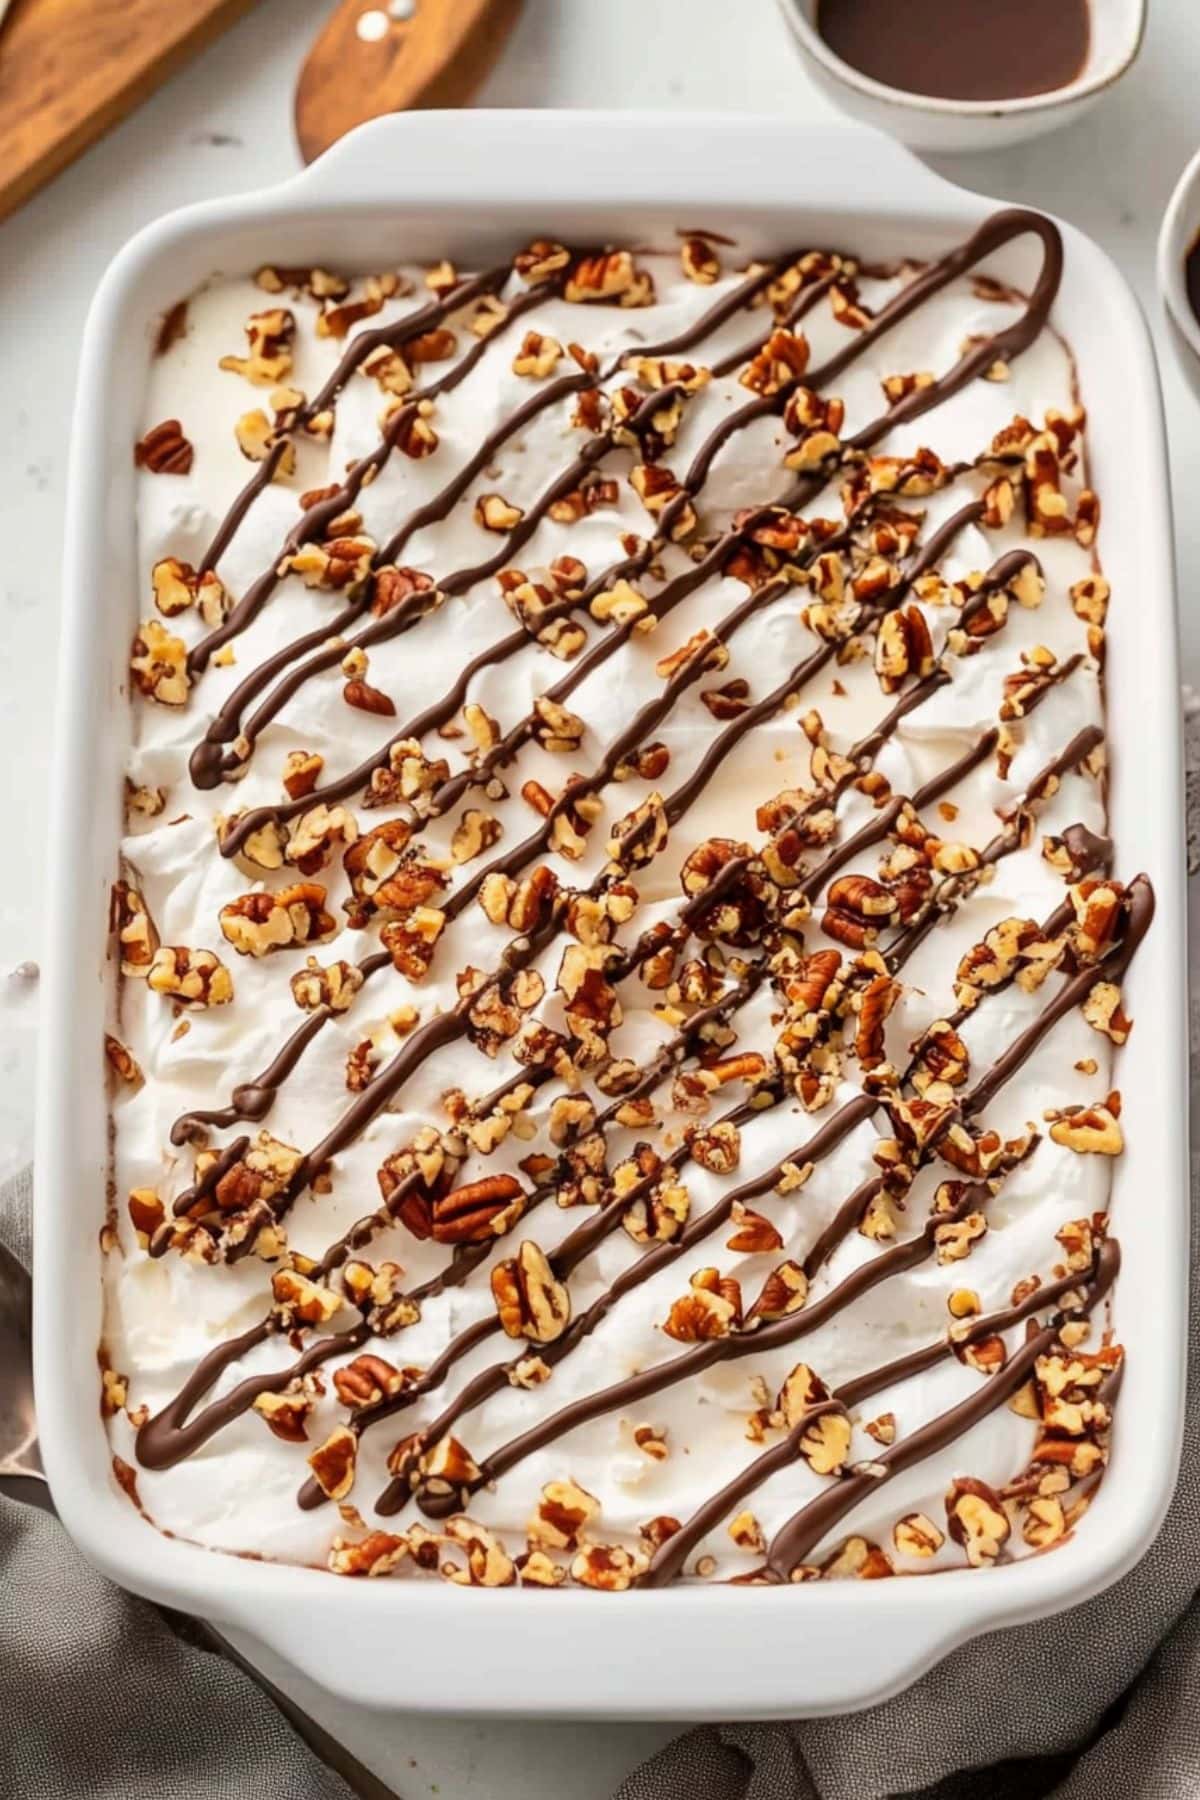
<point x="904" y="637"/>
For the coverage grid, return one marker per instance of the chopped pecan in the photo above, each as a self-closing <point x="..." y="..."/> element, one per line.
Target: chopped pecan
<point x="333" y="986"/>
<point x="191" y="977"/>
<point x="376" y="1554"/>
<point x="754" y="1234"/>
<point x="699" y="260"/>
<point x="333" y="1463"/>
<point x="609" y="275"/>
<point x="780" y="363"/>
<point x="917" y="1535"/>
<point x="158" y="663"/>
<point x="258" y="923"/>
<point x="977" y="1520"/>
<point x="717" y="1148"/>
<point x="878" y="998"/>
<point x="269" y="335"/>
<point x="711" y="1309"/>
<point x="784" y="1291"/>
<point x="1091" y="1130"/>
<point x="608" y="1567"/>
<point x="903" y="647"/>
<point x="339" y="562"/>
<point x="287" y="1410"/>
<point x="1104" y="1013"/>
<point x="825" y="1444"/>
<point x="590" y="1000"/>
<point x="530" y="1302"/>
<point x="564" y="1512"/>
<point x="553" y="727"/>
<point x="367" y="1379"/>
<point x="739" y="914"/>
<point x="131" y="924"/>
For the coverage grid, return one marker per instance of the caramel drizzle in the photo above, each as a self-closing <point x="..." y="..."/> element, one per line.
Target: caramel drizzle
<point x="788" y="1329"/>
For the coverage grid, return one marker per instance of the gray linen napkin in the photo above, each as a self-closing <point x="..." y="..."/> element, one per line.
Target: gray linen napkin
<point x="99" y="1700"/>
<point x="1101" y="1699"/>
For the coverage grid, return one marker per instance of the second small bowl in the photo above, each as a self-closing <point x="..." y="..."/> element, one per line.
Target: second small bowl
<point x="926" y="122"/>
<point x="1177" y="237"/>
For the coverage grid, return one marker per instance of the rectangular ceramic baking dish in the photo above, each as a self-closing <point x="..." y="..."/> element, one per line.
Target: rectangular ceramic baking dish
<point x="471" y="185"/>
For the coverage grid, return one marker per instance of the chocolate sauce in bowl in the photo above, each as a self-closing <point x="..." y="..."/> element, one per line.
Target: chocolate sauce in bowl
<point x="961" y="49"/>
<point x="1191" y="277"/>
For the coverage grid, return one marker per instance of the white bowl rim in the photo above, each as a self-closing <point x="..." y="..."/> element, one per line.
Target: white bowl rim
<point x="1174" y="242"/>
<point x="1083" y="88"/>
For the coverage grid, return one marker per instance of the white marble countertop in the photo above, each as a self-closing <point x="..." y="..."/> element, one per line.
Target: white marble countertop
<point x="224" y="124"/>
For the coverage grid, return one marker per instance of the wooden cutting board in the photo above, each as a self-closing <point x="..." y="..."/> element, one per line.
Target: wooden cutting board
<point x="71" y="68"/>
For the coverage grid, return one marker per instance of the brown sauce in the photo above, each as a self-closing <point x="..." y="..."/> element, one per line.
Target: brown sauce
<point x="961" y="49"/>
<point x="1191" y="278"/>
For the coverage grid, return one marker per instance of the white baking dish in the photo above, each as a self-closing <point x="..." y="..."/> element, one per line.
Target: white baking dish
<point x="472" y="184"/>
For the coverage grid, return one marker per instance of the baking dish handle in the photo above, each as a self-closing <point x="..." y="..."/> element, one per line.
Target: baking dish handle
<point x="436" y="157"/>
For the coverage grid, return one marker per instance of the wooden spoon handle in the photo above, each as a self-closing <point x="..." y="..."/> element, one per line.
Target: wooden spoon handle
<point x="371" y="60"/>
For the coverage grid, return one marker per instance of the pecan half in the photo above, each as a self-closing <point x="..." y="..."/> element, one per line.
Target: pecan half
<point x="164" y="450"/>
<point x="481" y="1210"/>
<point x="530" y="1302"/>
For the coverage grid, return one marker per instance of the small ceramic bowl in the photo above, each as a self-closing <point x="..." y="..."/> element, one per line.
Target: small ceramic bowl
<point x="1178" y="233"/>
<point x="928" y="123"/>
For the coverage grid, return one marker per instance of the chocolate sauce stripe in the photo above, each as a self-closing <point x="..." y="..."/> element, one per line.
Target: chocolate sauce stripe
<point x="804" y="1530"/>
<point x="1073" y="990"/>
<point x="668" y="1560"/>
<point x="803" y="304"/>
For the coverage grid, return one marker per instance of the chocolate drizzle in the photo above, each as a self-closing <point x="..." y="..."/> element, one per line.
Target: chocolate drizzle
<point x="998" y="230"/>
<point x="668" y="1561"/>
<point x="787" y="1330"/>
<point x="186" y="1423"/>
<point x="391" y="336"/>
<point x="805" y="1529"/>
